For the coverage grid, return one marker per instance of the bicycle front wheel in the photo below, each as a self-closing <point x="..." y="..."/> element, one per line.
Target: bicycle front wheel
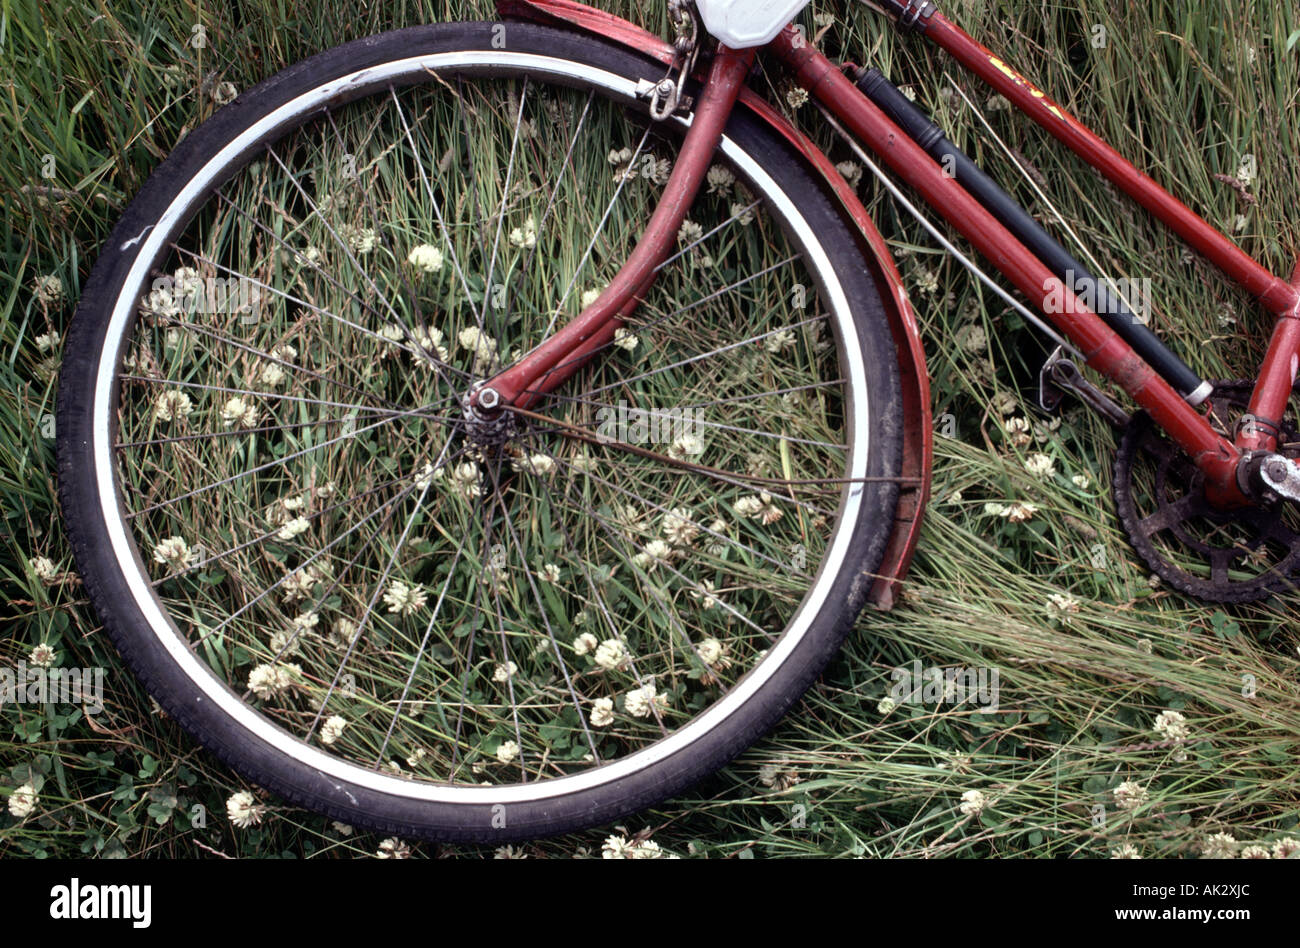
<point x="380" y="611"/>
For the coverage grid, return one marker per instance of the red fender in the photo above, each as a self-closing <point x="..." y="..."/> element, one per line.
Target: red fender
<point x="918" y="444"/>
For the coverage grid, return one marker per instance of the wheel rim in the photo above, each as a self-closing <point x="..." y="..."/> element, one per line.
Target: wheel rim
<point x="535" y="580"/>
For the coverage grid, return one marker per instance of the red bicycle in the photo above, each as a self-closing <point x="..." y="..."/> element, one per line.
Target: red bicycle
<point x="484" y="430"/>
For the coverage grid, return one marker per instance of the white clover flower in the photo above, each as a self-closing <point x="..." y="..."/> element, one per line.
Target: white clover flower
<point x="1172" y="726"/>
<point x="174" y="552"/>
<point x="610" y="654"/>
<point x="243" y="810"/>
<point x="621" y="159"/>
<point x="1040" y="465"/>
<point x="483" y="346"/>
<point x="1081" y="481"/>
<point x="602" y="712"/>
<point x="361" y="239"/>
<point x="743" y="213"/>
<point x="239" y="412"/>
<point x="425" y="258"/>
<point x="1004" y="403"/>
<point x="224" y="93"/>
<point x="332" y="729"/>
<point x="48" y="341"/>
<point x="851" y="171"/>
<point x="44" y="568"/>
<point x="972" y="338"/>
<point x="705" y="594"/>
<point x="652" y="553"/>
<point x="647" y="849"/>
<point x="273" y="375"/>
<point x="710" y="651"/>
<point x="758" y="508"/>
<point x="1219" y="846"/>
<point x="1286" y="849"/>
<point x="540" y="464"/>
<point x="344" y="631"/>
<point x="392" y="332"/>
<point x="393" y="848"/>
<point x="287" y="641"/>
<point x="720" y="178"/>
<point x="42" y="656"/>
<point x="625" y="339"/>
<point x="404" y="599"/>
<point x="616" y="847"/>
<point x="23" y="801"/>
<point x="640" y="701"/>
<point x="507" y="752"/>
<point x="550" y="573"/>
<point x="679" y="528"/>
<point x="927" y="281"/>
<point x="687" y="446"/>
<point x="172" y="404"/>
<point x="584" y="643"/>
<point x="424" y="479"/>
<point x="298" y="584"/>
<point x="284" y="352"/>
<point x="49" y="288"/>
<point x="886" y="705"/>
<point x="1062" y="604"/>
<point x="1125" y="851"/>
<point x="268" y="681"/>
<point x="778" y="775"/>
<point x="779" y="342"/>
<point x="525" y="236"/>
<point x="972" y="803"/>
<point x="796" y="97"/>
<point x="1256" y="852"/>
<point x="293" y="528"/>
<point x="689" y="232"/>
<point x="504" y="672"/>
<point x="1016" y="512"/>
<point x="658" y="171"/>
<point x="1129" y="795"/>
<point x="188" y="283"/>
<point x="590" y="296"/>
<point x="160" y="302"/>
<point x="433" y="342"/>
<point x="466" y="480"/>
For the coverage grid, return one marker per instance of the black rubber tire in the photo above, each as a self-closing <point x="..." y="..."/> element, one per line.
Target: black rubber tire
<point x="303" y="785"/>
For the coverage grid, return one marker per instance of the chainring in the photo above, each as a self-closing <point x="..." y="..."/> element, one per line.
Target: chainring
<point x="1215" y="555"/>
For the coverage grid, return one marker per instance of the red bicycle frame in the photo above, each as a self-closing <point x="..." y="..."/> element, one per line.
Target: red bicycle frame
<point x="1221" y="460"/>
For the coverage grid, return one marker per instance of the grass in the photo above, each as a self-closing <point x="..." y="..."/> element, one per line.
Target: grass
<point x="1180" y="88"/>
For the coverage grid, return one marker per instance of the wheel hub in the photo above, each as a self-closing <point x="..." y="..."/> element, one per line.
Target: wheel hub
<point x="483" y="427"/>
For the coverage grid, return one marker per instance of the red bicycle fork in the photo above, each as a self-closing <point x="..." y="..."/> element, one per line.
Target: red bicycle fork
<point x="560" y="356"/>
